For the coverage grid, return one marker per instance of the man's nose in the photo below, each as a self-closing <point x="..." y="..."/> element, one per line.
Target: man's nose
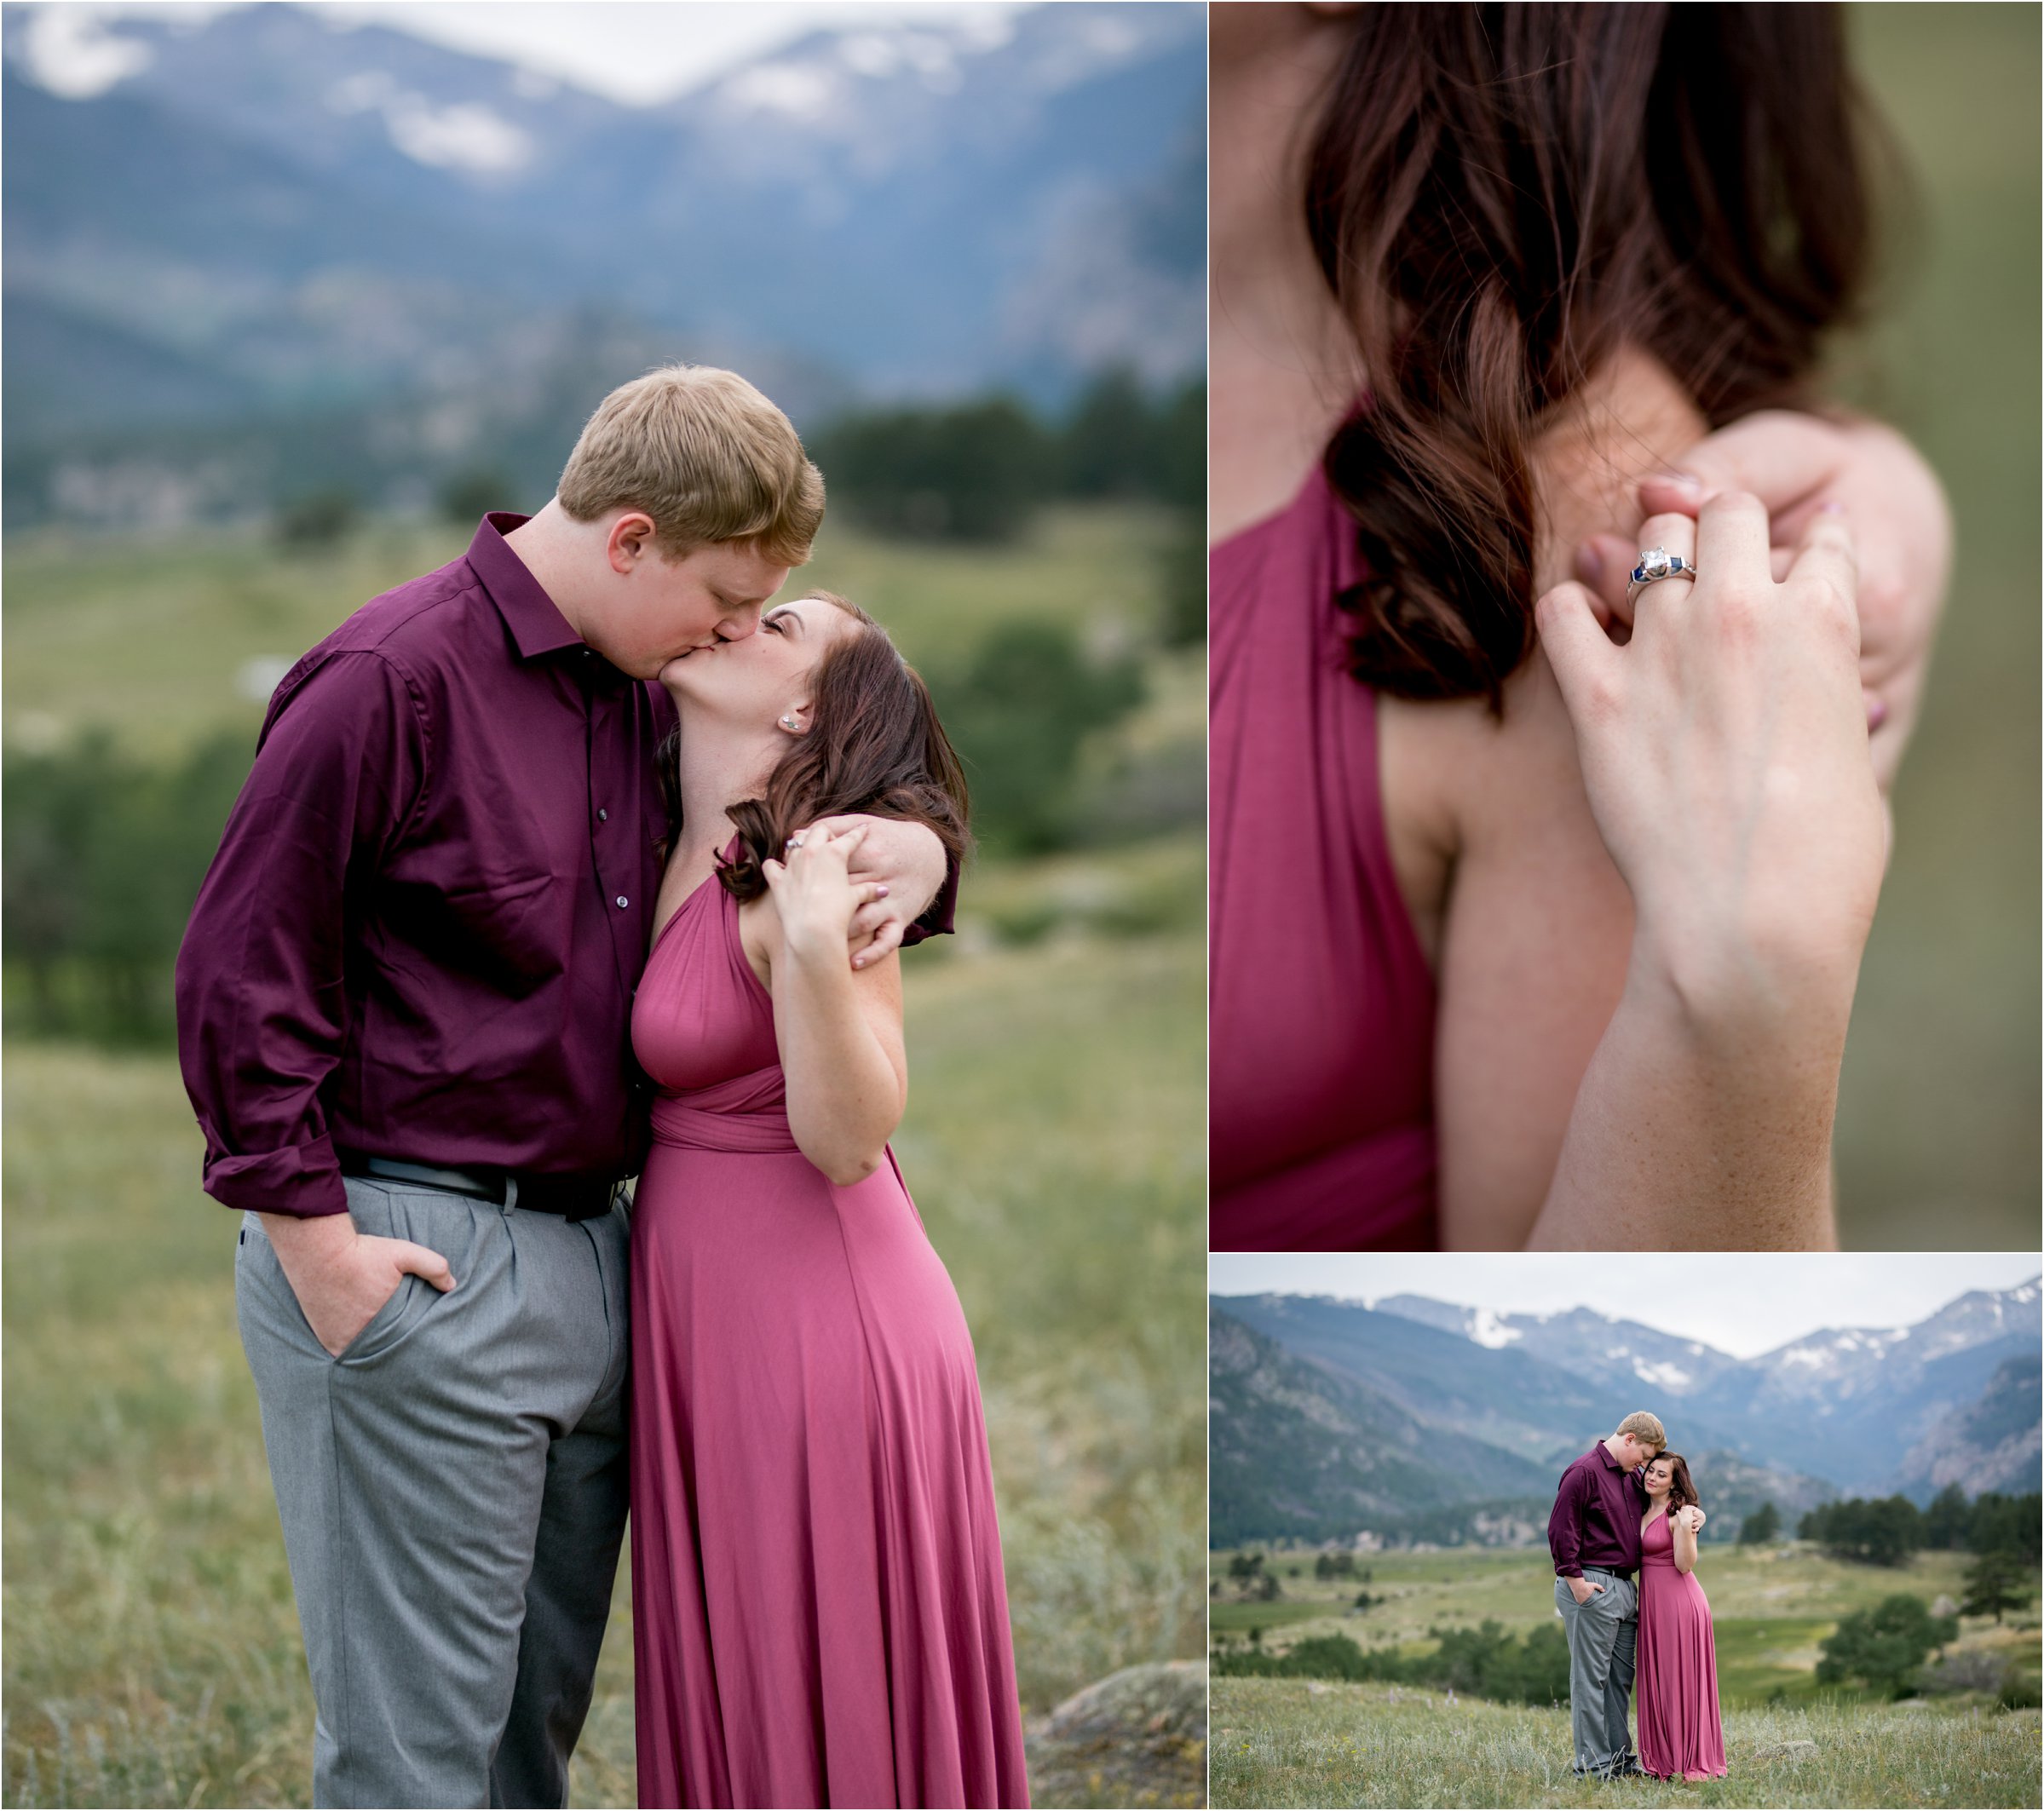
<point x="739" y="624"/>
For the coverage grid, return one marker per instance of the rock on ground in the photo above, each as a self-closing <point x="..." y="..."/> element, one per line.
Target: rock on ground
<point x="1137" y="1738"/>
<point x="1785" y="1752"/>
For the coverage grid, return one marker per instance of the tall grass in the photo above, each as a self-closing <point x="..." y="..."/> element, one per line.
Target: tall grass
<point x="1284" y="1742"/>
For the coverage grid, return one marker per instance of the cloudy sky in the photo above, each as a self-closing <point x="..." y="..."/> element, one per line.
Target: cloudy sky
<point x="1740" y="1303"/>
<point x="639" y="51"/>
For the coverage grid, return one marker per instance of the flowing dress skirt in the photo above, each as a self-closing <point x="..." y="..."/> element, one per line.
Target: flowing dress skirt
<point x="820" y="1613"/>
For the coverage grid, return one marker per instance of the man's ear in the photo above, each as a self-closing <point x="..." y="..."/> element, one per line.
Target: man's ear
<point x="630" y="539"/>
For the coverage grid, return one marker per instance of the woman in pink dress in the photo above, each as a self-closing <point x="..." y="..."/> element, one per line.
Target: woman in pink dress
<point x="1680" y="1737"/>
<point x="819" y="1614"/>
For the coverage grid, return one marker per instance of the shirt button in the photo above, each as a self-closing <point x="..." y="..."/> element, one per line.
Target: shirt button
<point x="602" y="816"/>
<point x="623" y="902"/>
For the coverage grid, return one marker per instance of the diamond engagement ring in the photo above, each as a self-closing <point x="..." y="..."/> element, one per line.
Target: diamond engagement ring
<point x="1656" y="563"/>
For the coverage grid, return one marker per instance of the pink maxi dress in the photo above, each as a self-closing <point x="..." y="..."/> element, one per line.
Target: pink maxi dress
<point x="819" y="1614"/>
<point x="1680" y="1736"/>
<point x="1321" y="1020"/>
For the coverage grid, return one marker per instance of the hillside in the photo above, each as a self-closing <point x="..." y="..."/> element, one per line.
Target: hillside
<point x="1297" y="1450"/>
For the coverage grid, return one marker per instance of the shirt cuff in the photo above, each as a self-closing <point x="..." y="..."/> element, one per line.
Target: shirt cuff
<point x="300" y="1179"/>
<point x="1569" y="1571"/>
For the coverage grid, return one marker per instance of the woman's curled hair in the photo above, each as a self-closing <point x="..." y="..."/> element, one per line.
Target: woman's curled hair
<point x="1500" y="196"/>
<point x="873" y="746"/>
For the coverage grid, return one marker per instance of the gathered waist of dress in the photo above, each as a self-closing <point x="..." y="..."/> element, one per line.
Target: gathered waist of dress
<point x="747" y="1114"/>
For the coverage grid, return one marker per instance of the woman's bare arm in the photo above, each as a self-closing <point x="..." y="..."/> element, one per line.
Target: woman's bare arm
<point x="1682" y="1528"/>
<point x="838" y="1029"/>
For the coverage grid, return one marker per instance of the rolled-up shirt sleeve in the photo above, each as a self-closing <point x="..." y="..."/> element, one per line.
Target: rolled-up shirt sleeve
<point x="1565" y="1526"/>
<point x="262" y="993"/>
<point x="937" y="919"/>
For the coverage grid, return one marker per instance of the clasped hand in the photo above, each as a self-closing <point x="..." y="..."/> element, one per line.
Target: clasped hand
<point x="1725" y="754"/>
<point x="814" y="893"/>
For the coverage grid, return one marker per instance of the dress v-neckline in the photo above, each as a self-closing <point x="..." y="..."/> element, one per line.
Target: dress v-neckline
<point x="688" y="897"/>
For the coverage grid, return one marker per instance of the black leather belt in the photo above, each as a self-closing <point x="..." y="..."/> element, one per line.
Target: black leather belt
<point x="1611" y="1572"/>
<point x="571" y="1197"/>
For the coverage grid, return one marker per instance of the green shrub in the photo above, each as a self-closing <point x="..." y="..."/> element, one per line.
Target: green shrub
<point x="318" y="520"/>
<point x="1484" y="1662"/>
<point x="103" y="857"/>
<point x="1018" y="712"/>
<point x="1885" y="1648"/>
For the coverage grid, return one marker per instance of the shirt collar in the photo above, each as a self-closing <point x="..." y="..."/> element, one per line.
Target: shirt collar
<point x="534" y="619"/>
<point x="1604" y="1452"/>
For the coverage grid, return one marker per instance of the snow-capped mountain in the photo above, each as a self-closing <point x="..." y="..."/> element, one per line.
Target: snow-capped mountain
<point x="1614" y="1352"/>
<point x="266" y="210"/>
<point x="1867" y="1409"/>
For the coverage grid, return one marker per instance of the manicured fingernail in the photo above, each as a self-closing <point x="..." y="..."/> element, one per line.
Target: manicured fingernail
<point x="1831" y="506"/>
<point x="1589" y="563"/>
<point x="1686" y="482"/>
<point x="880" y="892"/>
<point x="1877" y="711"/>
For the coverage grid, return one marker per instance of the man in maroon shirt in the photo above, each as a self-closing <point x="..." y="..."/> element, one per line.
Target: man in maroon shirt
<point x="404" y="1006"/>
<point x="1593" y="1534"/>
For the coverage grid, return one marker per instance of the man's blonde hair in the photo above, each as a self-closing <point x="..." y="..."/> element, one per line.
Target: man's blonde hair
<point x="1645" y="1429"/>
<point x="705" y="455"/>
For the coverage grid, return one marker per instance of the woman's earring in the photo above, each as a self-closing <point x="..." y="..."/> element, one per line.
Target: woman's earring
<point x="789" y="722"/>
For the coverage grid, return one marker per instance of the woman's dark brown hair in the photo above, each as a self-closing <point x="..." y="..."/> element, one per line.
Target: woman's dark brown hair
<point x="874" y="746"/>
<point x="1681" y="1491"/>
<point x="1501" y="195"/>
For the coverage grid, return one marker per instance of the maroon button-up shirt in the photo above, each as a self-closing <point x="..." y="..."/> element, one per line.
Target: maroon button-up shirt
<point x="1596" y="1516"/>
<point x="431" y="905"/>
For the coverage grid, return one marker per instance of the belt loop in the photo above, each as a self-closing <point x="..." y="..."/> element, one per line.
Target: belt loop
<point x="510" y="1192"/>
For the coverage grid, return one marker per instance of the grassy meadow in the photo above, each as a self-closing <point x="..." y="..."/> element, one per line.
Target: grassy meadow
<point x="1296" y="1742"/>
<point x="1053" y="1142"/>
<point x="1308" y="1742"/>
<point x="150" y="634"/>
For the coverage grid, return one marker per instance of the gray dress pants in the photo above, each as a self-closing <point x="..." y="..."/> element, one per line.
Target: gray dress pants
<point x="453" y="1490"/>
<point x="1603" y="1634"/>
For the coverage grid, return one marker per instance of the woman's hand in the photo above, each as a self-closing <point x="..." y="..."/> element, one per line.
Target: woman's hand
<point x="813" y="892"/>
<point x="1690" y="1517"/>
<point x="1725" y="754"/>
<point x="909" y="866"/>
<point x="1795" y="463"/>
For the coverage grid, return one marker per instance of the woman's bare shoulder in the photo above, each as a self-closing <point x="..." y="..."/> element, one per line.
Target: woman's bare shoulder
<point x="1466" y="791"/>
<point x="1528" y="926"/>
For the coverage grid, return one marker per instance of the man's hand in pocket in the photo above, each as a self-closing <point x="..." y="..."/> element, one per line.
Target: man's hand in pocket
<point x="340" y="1276"/>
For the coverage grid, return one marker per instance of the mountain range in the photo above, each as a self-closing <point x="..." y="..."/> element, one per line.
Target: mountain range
<point x="274" y="213"/>
<point x="1324" y="1409"/>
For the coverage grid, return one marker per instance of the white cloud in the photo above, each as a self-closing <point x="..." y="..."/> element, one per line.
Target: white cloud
<point x="70" y="52"/>
<point x="1743" y="1304"/>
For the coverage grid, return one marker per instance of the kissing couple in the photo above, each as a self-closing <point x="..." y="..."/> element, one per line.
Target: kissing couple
<point x="571" y="862"/>
<point x="1623" y="1533"/>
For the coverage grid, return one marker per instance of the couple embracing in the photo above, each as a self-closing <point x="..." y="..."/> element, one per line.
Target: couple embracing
<point x="571" y="862"/>
<point x="1623" y="1533"/>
